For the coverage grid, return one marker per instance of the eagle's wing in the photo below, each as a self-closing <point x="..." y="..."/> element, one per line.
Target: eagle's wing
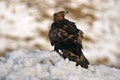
<point x="55" y="36"/>
<point x="57" y="33"/>
<point x="61" y="32"/>
<point x="73" y="34"/>
<point x="79" y="38"/>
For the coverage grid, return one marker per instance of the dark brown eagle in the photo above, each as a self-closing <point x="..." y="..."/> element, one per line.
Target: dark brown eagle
<point x="65" y="36"/>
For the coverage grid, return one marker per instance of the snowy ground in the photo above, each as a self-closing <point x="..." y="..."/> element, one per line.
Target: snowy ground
<point x="47" y="65"/>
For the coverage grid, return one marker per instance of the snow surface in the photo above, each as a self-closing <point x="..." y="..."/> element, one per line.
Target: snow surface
<point x="47" y="65"/>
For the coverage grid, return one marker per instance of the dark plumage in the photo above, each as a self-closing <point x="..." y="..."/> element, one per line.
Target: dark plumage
<point x="65" y="36"/>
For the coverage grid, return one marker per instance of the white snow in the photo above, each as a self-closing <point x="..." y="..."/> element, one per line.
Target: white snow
<point x="46" y="65"/>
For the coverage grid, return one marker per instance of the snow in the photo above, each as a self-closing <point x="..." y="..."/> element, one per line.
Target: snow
<point x="16" y="27"/>
<point x="47" y="65"/>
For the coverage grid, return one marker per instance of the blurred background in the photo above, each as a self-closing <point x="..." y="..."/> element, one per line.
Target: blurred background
<point x="24" y="24"/>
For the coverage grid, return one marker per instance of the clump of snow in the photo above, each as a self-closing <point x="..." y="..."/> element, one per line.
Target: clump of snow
<point x="48" y="65"/>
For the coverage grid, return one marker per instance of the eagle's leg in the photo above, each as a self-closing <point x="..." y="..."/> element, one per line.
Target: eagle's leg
<point x="56" y="48"/>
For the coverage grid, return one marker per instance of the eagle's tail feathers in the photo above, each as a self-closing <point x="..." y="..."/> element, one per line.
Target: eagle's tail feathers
<point x="82" y="61"/>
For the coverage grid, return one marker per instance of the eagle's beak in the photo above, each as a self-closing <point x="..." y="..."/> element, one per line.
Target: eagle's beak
<point x="66" y="12"/>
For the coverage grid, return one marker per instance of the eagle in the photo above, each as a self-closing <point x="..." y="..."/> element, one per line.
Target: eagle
<point x="67" y="39"/>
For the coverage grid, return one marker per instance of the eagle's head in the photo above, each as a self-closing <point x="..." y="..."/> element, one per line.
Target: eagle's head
<point x="59" y="15"/>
